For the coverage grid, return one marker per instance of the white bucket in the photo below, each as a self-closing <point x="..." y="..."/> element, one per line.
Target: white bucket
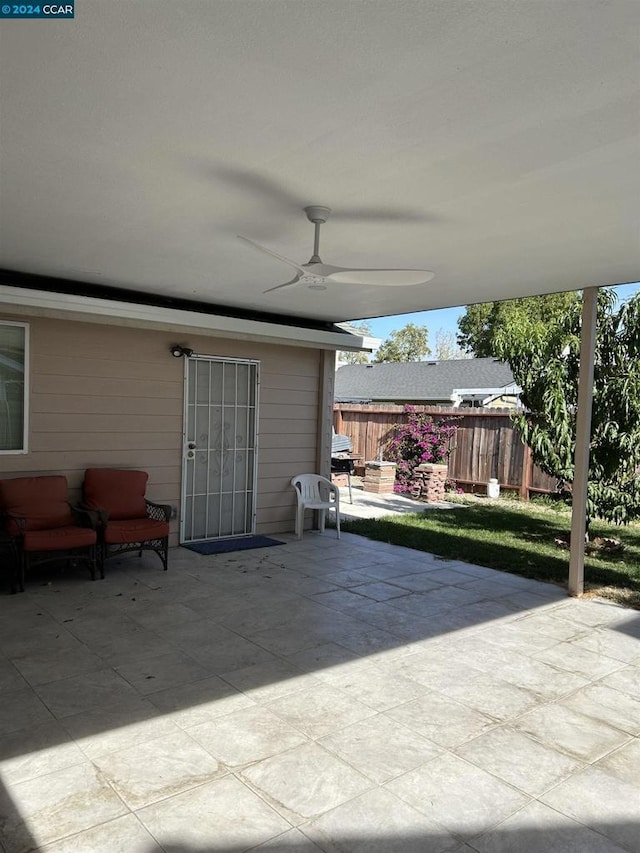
<point x="493" y="488"/>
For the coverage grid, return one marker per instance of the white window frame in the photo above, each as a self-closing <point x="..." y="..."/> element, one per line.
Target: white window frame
<point x="25" y="412"/>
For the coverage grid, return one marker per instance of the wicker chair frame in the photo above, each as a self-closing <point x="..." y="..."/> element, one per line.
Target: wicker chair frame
<point x="159" y="512"/>
<point x="25" y="560"/>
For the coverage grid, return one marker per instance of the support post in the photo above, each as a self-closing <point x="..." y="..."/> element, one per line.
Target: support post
<point x="525" y="481"/>
<point x="583" y="437"/>
<point x="324" y="424"/>
<point x="325" y="412"/>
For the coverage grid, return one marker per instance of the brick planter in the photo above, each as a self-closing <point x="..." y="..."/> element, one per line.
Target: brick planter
<point x="427" y="482"/>
<point x="379" y="477"/>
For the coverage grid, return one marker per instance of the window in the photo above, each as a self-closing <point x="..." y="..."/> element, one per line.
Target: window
<point x="14" y="363"/>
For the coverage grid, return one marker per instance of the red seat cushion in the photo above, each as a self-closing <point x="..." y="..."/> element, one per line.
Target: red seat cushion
<point x="134" y="530"/>
<point x="41" y="501"/>
<point x="120" y="493"/>
<point x="60" y="539"/>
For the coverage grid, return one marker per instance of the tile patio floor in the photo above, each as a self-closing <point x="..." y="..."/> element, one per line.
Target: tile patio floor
<point x="320" y="695"/>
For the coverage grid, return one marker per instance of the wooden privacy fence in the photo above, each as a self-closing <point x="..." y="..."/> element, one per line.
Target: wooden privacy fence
<point x="484" y="446"/>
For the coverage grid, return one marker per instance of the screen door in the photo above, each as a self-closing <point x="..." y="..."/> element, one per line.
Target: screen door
<point x="220" y="448"/>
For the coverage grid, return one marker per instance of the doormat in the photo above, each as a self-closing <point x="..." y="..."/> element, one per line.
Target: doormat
<point x="226" y="546"/>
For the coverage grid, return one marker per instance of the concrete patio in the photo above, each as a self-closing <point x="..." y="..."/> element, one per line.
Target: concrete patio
<point x="319" y="695"/>
<point x="370" y="505"/>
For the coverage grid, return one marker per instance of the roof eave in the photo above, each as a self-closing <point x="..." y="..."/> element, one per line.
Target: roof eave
<point x="27" y="302"/>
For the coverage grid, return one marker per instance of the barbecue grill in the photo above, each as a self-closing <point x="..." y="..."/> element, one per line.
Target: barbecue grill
<point x="341" y="461"/>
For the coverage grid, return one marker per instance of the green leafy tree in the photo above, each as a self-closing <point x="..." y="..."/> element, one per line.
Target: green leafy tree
<point x="545" y="361"/>
<point x="407" y="344"/>
<point x="480" y="324"/>
<point x="363" y="328"/>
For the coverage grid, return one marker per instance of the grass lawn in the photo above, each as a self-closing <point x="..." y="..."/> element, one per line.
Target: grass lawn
<point x="514" y="537"/>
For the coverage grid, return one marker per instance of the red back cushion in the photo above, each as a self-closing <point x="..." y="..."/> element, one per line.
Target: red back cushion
<point x="121" y="493"/>
<point x="41" y="501"/>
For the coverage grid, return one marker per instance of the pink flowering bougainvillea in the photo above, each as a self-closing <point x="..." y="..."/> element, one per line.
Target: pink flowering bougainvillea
<point x="421" y="438"/>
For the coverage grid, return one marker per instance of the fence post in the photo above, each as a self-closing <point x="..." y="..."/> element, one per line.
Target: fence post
<point x="527" y="470"/>
<point x="338" y="412"/>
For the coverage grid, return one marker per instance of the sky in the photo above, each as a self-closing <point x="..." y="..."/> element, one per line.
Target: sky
<point x="447" y="318"/>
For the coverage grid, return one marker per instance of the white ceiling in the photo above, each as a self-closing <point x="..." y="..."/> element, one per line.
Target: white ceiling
<point x="496" y="143"/>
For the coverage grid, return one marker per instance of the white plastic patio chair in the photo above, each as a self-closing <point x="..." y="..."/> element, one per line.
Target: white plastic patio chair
<point x="315" y="492"/>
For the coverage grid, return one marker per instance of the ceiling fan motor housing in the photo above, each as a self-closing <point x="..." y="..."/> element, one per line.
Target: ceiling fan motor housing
<point x="317" y="213"/>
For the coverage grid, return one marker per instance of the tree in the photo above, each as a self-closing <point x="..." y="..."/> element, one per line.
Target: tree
<point x="362" y="328"/>
<point x="545" y="360"/>
<point x="480" y="323"/>
<point x="406" y="344"/>
<point x="447" y="346"/>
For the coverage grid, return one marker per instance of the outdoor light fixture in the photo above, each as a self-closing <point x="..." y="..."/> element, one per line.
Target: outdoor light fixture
<point x="178" y="351"/>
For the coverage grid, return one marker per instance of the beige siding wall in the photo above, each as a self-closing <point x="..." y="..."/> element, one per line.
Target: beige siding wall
<point x="104" y="396"/>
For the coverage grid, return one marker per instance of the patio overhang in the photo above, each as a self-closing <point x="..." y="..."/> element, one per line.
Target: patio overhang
<point x="495" y="143"/>
<point x="484" y="396"/>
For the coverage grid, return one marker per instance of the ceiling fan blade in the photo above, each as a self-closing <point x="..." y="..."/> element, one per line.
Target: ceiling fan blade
<point x="383" y="278"/>
<point x="286" y="284"/>
<point x="284" y="260"/>
<point x="272" y="191"/>
<point x="383" y="214"/>
<point x="277" y="194"/>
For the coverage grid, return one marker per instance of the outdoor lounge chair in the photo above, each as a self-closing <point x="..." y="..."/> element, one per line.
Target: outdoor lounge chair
<point x="43" y="526"/>
<point x="315" y="492"/>
<point x="128" y="521"/>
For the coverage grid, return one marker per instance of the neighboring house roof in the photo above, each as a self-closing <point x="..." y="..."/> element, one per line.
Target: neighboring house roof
<point x="423" y="380"/>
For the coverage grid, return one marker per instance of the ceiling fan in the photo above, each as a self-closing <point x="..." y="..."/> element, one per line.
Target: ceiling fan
<point x="316" y="275"/>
